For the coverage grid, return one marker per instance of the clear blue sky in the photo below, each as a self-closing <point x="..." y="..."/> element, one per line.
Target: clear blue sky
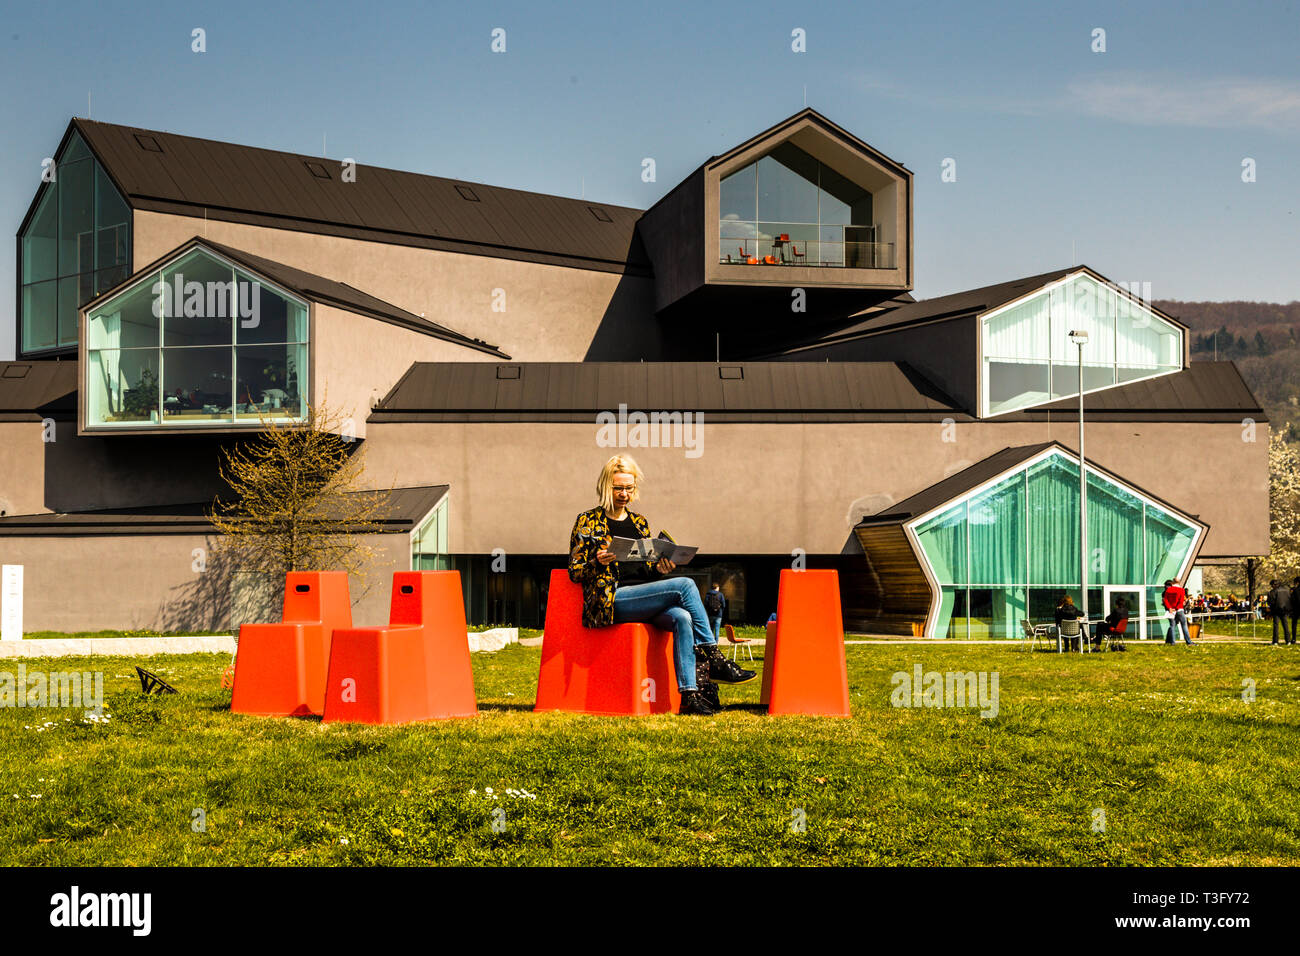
<point x="1131" y="158"/>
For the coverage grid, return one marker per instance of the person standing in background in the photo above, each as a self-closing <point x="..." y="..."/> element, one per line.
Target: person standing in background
<point x="1175" y="601"/>
<point x="715" y="602"/>
<point x="1279" y="602"/>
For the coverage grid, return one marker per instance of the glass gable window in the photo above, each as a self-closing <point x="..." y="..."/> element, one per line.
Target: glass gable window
<point x="196" y="343"/>
<point x="429" y="542"/>
<point x="788" y="208"/>
<point x="77" y="245"/>
<point x="1008" y="552"/>
<point x="1029" y="359"/>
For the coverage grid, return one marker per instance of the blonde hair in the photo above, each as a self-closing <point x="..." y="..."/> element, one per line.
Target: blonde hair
<point x="605" y="483"/>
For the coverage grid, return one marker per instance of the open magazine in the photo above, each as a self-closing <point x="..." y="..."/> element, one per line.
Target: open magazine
<point x="651" y="549"/>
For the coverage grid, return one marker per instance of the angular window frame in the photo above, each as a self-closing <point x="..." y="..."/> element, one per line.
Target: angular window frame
<point x="237" y="418"/>
<point x="1061" y="354"/>
<point x="915" y="528"/>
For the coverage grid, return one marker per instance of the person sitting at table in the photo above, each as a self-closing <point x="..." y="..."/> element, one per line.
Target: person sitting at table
<point x="1066" y="610"/>
<point x="1110" y="626"/>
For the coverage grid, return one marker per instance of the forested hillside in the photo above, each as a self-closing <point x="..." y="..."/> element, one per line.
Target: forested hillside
<point x="1263" y="338"/>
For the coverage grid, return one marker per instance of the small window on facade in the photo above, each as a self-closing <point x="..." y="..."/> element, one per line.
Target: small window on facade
<point x="467" y="193"/>
<point x="507" y="371"/>
<point x="599" y="214"/>
<point x="16" y="371"/>
<point x="731" y="371"/>
<point x="317" y="170"/>
<point x="148" y="142"/>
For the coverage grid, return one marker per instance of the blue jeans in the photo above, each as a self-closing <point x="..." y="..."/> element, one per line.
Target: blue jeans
<point x="1179" y="619"/>
<point x="716" y="624"/>
<point x="671" y="604"/>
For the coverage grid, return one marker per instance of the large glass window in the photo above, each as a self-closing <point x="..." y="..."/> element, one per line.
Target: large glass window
<point x="788" y="208"/>
<point x="199" y="342"/>
<point x="429" y="542"/>
<point x="1029" y="359"/>
<point x="1008" y="552"/>
<point x="77" y="245"/>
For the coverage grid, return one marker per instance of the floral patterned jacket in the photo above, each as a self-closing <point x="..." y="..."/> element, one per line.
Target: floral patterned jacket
<point x="598" y="580"/>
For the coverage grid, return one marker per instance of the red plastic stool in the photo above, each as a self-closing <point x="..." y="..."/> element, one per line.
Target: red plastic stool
<point x="280" y="668"/>
<point x="416" y="668"/>
<point x="805" y="650"/>
<point x="621" y="670"/>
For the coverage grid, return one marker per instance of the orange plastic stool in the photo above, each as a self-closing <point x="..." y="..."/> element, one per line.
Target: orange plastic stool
<point x="280" y="668"/>
<point x="621" y="670"/>
<point x="416" y="668"/>
<point x="805" y="656"/>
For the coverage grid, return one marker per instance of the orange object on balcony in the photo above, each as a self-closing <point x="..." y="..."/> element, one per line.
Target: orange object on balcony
<point x="280" y="668"/>
<point x="769" y="260"/>
<point x="621" y="670"/>
<point x="416" y="668"/>
<point x="805" y="649"/>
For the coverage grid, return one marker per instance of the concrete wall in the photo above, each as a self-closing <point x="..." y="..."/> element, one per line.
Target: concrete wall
<point x="22" y="467"/>
<point x="673" y="232"/>
<point x="133" y="582"/>
<point x="356" y="360"/>
<point x="552" y="313"/>
<point x="767" y="489"/>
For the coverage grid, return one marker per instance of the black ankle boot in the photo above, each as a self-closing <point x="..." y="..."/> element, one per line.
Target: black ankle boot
<point x="722" y="670"/>
<point x="693" y="702"/>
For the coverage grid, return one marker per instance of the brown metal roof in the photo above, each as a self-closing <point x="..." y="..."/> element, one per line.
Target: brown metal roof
<point x="30" y="391"/>
<point x="751" y="391"/>
<point x="203" y="177"/>
<point x="406" y="508"/>
<point x="1204" y="391"/>
<point x="311" y="286"/>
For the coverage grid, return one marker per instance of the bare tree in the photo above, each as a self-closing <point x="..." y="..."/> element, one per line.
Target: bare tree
<point x="296" y="501"/>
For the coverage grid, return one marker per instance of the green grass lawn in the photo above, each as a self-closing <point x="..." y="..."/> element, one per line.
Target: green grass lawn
<point x="1159" y="739"/>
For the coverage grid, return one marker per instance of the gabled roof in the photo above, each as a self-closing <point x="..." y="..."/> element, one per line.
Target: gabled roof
<point x="832" y="129"/>
<point x="968" y="479"/>
<point x="956" y="304"/>
<point x="970" y="302"/>
<point x="33" y="390"/>
<point x="308" y="285"/>
<point x="739" y="392"/>
<point x="407" y="507"/>
<point x="185" y="175"/>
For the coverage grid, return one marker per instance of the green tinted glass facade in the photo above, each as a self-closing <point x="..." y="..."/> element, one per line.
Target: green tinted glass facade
<point x="1008" y="552"/>
<point x="77" y="245"/>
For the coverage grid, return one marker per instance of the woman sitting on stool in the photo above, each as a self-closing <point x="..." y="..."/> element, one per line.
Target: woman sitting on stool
<point x="615" y="592"/>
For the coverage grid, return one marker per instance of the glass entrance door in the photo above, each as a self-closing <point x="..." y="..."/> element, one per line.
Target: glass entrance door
<point x="1136" y="608"/>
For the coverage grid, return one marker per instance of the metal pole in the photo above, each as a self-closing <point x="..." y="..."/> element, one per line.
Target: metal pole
<point x="1083" y="507"/>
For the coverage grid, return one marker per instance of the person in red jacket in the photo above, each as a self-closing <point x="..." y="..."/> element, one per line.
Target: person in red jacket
<point x="1175" y="599"/>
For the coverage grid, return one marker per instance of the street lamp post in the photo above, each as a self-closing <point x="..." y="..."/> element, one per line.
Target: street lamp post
<point x="1080" y="338"/>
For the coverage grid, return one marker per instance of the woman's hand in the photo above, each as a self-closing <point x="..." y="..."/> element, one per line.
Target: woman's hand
<point x="665" y="566"/>
<point x="604" y="555"/>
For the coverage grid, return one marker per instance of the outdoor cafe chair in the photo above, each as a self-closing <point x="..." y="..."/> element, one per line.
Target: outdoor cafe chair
<point x="1034" y="633"/>
<point x="1067" y="632"/>
<point x="737" y="643"/>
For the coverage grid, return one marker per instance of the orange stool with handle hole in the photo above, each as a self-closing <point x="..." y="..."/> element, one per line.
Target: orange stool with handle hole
<point x="620" y="670"/>
<point x="280" y="668"/>
<point x="416" y="668"/>
<point x="804" y="669"/>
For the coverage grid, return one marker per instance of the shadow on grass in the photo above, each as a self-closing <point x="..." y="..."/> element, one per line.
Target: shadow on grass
<point x="505" y="707"/>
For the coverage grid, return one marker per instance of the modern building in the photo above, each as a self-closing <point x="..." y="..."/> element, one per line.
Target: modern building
<point x="750" y="338"/>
